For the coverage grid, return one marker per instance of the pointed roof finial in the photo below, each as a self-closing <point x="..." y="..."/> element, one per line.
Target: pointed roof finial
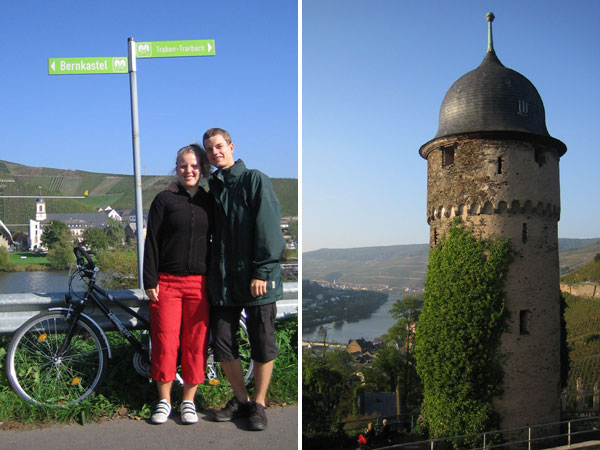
<point x="490" y="18"/>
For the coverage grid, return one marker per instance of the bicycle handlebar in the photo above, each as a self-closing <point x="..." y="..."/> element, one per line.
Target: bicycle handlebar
<point x="83" y="259"/>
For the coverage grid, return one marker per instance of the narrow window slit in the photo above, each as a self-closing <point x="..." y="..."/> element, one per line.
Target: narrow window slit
<point x="524" y="316"/>
<point x="447" y="156"/>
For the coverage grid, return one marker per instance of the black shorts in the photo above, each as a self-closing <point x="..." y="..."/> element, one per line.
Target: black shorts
<point x="260" y="321"/>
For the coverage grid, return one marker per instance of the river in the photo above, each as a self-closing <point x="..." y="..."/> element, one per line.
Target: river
<point x="374" y="326"/>
<point x="22" y="282"/>
<point x="50" y="281"/>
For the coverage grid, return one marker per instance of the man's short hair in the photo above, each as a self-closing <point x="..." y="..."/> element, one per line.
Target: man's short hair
<point x="214" y="132"/>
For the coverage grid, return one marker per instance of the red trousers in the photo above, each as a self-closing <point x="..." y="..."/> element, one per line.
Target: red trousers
<point x="180" y="319"/>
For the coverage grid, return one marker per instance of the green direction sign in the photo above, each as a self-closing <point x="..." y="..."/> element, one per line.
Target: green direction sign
<point x="88" y="65"/>
<point x="164" y="49"/>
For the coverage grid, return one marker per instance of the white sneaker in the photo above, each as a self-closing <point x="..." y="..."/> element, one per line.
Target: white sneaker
<point x="161" y="412"/>
<point x="188" y="412"/>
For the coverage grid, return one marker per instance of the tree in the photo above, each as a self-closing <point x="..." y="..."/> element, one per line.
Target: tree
<point x="458" y="340"/>
<point x="56" y="233"/>
<point x="21" y="239"/>
<point x="59" y="241"/>
<point x="115" y="233"/>
<point x="389" y="362"/>
<point x="406" y="311"/>
<point x="4" y="259"/>
<point x="395" y="371"/>
<point x="119" y="268"/>
<point x="293" y="228"/>
<point x="408" y="308"/>
<point x="60" y="256"/>
<point x="322" y="333"/>
<point x="395" y="361"/>
<point x="95" y="239"/>
<point x="328" y="386"/>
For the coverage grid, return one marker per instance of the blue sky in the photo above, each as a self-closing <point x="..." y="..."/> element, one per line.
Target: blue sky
<point x="374" y="74"/>
<point x="83" y="121"/>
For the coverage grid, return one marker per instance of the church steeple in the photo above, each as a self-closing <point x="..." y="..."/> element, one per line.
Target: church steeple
<point x="40" y="209"/>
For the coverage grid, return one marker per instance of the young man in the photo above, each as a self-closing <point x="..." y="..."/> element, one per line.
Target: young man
<point x="244" y="274"/>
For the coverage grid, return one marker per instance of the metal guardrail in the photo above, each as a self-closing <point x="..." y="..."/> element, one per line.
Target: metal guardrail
<point x="16" y="309"/>
<point x="537" y="439"/>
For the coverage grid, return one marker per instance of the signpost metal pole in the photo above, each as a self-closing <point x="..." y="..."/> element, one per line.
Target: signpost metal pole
<point x="97" y="65"/>
<point x="139" y="206"/>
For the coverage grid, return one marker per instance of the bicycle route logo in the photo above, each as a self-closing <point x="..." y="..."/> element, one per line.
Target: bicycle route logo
<point x="144" y="50"/>
<point x="119" y="65"/>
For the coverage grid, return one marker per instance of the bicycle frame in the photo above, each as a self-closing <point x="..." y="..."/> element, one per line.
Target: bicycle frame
<point x="99" y="298"/>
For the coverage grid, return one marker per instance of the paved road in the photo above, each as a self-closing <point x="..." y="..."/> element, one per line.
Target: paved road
<point x="126" y="434"/>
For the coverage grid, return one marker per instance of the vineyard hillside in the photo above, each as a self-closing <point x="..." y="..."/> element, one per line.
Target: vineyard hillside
<point x="102" y="189"/>
<point x="582" y="316"/>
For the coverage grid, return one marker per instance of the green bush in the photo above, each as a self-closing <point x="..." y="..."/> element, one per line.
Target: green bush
<point x="5" y="262"/>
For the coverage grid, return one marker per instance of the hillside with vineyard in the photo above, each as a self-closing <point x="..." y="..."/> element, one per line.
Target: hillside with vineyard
<point x="101" y="189"/>
<point x="582" y="316"/>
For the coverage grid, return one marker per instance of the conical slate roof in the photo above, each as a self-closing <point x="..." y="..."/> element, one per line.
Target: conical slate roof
<point x="492" y="98"/>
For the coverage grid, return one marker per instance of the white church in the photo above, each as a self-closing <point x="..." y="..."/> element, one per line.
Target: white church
<point x="76" y="222"/>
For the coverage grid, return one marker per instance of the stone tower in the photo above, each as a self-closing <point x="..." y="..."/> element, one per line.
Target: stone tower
<point x="494" y="165"/>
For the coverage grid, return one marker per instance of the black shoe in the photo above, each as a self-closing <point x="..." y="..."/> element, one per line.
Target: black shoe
<point x="257" y="417"/>
<point x="232" y="410"/>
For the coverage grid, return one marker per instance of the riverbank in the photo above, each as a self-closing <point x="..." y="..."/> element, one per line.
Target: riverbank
<point x="27" y="262"/>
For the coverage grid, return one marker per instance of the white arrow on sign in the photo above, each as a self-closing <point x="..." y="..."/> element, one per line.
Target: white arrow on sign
<point x="53" y="68"/>
<point x="209" y="47"/>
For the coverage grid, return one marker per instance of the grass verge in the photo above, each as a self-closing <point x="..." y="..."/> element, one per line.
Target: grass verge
<point x="27" y="261"/>
<point x="125" y="393"/>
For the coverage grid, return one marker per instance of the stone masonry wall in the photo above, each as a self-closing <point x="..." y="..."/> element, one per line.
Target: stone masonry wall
<point x="591" y="290"/>
<point x="510" y="188"/>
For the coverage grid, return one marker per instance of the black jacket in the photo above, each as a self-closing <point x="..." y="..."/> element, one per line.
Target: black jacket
<point x="178" y="234"/>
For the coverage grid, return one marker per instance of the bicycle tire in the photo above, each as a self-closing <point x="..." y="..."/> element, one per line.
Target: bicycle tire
<point x="38" y="374"/>
<point x="244" y="342"/>
<point x="214" y="372"/>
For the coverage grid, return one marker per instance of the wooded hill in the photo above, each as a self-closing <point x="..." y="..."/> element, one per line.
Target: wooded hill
<point x="103" y="189"/>
<point x="402" y="266"/>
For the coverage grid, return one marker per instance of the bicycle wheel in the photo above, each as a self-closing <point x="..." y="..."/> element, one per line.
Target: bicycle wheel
<point x="244" y="341"/>
<point x="214" y="372"/>
<point x="40" y="374"/>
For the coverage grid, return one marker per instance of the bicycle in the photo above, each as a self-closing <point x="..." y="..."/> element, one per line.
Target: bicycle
<point x="60" y="357"/>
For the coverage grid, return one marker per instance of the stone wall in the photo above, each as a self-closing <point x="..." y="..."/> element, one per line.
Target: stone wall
<point x="510" y="188"/>
<point x="471" y="187"/>
<point x="591" y="290"/>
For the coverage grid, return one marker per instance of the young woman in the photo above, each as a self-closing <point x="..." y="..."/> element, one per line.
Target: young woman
<point x="175" y="267"/>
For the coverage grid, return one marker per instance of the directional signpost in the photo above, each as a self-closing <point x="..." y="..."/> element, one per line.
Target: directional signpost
<point x="79" y="66"/>
<point x="127" y="64"/>
<point x="166" y="49"/>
